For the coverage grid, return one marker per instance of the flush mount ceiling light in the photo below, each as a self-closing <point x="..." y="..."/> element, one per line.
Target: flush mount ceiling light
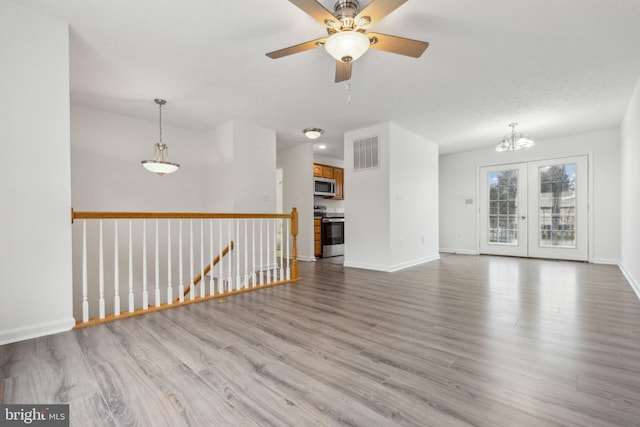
<point x="160" y="163"/>
<point x="322" y="147"/>
<point x="347" y="46"/>
<point x="313" y="133"/>
<point x="515" y="141"/>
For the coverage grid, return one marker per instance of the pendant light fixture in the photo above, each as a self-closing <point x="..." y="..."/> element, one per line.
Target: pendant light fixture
<point x="515" y="141"/>
<point x="160" y="163"/>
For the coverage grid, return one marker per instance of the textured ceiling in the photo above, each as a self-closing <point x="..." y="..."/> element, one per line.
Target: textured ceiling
<point x="556" y="67"/>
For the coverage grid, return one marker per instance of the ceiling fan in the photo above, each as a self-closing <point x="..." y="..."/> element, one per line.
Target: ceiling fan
<point x="347" y="32"/>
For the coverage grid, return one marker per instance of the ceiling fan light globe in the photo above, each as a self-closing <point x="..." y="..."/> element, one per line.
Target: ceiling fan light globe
<point x="347" y="44"/>
<point x="503" y="146"/>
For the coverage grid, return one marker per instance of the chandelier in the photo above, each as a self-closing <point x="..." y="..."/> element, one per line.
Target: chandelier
<point x="515" y="141"/>
<point x="160" y="163"/>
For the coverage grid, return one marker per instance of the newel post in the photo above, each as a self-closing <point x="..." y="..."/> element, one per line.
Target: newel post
<point x="294" y="241"/>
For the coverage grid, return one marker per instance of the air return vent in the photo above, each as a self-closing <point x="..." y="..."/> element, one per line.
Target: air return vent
<point x="365" y="153"/>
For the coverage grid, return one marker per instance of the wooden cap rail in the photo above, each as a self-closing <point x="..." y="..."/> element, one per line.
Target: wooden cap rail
<point x="172" y="215"/>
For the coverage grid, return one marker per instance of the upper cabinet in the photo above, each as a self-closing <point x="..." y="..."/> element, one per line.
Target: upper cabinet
<point x="326" y="171"/>
<point x="338" y="175"/>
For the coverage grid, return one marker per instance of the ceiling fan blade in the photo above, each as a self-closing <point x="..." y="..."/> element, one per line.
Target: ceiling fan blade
<point x="399" y="45"/>
<point x="378" y="9"/>
<point x="312" y="44"/>
<point x="343" y="71"/>
<point x="316" y="11"/>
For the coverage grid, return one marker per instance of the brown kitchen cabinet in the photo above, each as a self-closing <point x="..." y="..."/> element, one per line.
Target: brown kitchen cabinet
<point x="317" y="238"/>
<point x="317" y="170"/>
<point x="338" y="175"/>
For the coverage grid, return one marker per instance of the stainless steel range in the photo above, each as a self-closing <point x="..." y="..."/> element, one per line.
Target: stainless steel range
<point x="332" y="234"/>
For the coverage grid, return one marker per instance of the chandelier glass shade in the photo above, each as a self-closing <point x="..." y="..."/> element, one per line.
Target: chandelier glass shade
<point x="514" y="141"/>
<point x="160" y="163"/>
<point x="347" y="46"/>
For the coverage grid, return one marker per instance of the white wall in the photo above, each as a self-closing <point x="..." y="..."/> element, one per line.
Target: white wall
<point x="106" y="150"/>
<point x="35" y="223"/>
<point x="391" y="212"/>
<point x="367" y="215"/>
<point x="630" y="206"/>
<point x="297" y="174"/>
<point x="254" y="169"/>
<point x="413" y="199"/>
<point x="459" y="181"/>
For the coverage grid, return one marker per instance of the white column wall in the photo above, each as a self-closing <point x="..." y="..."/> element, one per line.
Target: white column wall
<point x="391" y="212"/>
<point x="297" y="188"/>
<point x="459" y="181"/>
<point x="35" y="221"/>
<point x="630" y="204"/>
<point x="367" y="212"/>
<point x="413" y="199"/>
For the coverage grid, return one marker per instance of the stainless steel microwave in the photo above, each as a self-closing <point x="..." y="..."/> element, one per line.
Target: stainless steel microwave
<point x="324" y="187"/>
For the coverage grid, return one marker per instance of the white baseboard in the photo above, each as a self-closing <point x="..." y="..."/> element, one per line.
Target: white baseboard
<point x="459" y="251"/>
<point x="635" y="285"/>
<point x="605" y="261"/>
<point x="35" y="331"/>
<point x="390" y="268"/>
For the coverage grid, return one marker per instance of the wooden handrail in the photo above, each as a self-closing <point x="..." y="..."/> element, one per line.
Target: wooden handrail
<point x="171" y="215"/>
<point x="207" y="269"/>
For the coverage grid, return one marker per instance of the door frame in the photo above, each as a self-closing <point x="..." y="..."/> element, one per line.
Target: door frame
<point x="560" y="155"/>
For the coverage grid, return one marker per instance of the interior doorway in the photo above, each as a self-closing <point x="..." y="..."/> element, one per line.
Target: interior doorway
<point x="536" y="209"/>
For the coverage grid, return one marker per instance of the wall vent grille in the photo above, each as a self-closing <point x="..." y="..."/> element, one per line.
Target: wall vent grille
<point x="365" y="153"/>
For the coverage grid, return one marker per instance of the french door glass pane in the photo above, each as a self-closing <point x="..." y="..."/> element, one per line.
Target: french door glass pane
<point x="503" y="207"/>
<point x="557" y="204"/>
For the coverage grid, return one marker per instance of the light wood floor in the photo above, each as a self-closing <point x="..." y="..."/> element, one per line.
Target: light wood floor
<point x="466" y="340"/>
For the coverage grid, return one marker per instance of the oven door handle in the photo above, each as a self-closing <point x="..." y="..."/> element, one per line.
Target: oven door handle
<point x="332" y="219"/>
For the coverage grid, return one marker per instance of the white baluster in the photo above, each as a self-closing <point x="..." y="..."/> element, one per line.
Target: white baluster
<point x="131" y="298"/>
<point x="202" y="283"/>
<point x="85" y="290"/>
<point x="102" y="308"/>
<point x="220" y="263"/>
<point x="145" y="289"/>
<point x="268" y="254"/>
<point x="192" y="293"/>
<point x="253" y="252"/>
<point x="158" y="302"/>
<point x="230" y="258"/>
<point x="288" y="255"/>
<point x="238" y="278"/>
<point x="246" y="257"/>
<point x="261" y="251"/>
<point x="180" y="267"/>
<point x="281" y="223"/>
<point x="212" y="289"/>
<point x="116" y="272"/>
<point x="275" y="250"/>
<point x="169" y="287"/>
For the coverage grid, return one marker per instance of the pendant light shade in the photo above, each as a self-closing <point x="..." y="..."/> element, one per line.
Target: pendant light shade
<point x="160" y="163"/>
<point x="347" y="46"/>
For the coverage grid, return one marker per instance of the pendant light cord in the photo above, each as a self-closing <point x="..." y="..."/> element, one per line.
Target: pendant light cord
<point x="160" y="121"/>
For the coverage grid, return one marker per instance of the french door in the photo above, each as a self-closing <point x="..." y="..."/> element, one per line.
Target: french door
<point x="536" y="209"/>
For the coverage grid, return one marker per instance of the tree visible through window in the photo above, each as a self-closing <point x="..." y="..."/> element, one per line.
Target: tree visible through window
<point x="503" y="207"/>
<point x="557" y="204"/>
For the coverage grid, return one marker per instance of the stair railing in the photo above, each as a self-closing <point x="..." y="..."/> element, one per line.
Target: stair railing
<point x="251" y="254"/>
